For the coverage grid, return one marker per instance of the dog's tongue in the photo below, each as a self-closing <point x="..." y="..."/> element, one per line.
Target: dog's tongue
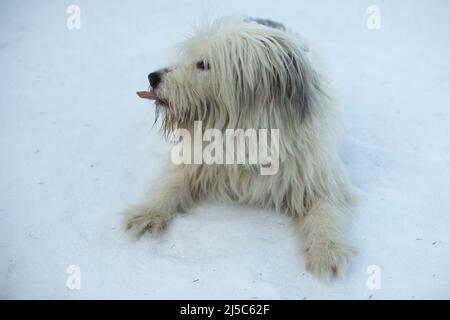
<point x="147" y="95"/>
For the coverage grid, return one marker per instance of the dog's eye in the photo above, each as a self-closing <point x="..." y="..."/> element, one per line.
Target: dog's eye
<point x="202" y="65"/>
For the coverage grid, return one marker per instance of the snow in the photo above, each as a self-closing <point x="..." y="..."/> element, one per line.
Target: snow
<point x="77" y="147"/>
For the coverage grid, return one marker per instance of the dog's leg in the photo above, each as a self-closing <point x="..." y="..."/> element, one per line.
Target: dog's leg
<point x="169" y="195"/>
<point x="325" y="250"/>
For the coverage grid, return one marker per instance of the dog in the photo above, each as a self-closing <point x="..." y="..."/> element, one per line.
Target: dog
<point x="253" y="73"/>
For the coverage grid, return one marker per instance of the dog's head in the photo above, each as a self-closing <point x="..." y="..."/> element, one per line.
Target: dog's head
<point x="233" y="74"/>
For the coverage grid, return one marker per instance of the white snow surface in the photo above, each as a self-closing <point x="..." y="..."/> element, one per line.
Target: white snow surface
<point x="77" y="147"/>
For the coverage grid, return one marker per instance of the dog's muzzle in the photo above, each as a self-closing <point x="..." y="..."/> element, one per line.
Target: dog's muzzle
<point x="155" y="79"/>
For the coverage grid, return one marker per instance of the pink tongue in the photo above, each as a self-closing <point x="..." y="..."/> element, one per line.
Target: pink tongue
<point x="147" y="95"/>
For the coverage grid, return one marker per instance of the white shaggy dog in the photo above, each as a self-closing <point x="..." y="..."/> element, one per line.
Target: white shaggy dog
<point x="252" y="73"/>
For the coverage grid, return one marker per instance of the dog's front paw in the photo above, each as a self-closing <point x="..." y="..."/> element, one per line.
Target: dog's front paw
<point x="140" y="219"/>
<point x="328" y="259"/>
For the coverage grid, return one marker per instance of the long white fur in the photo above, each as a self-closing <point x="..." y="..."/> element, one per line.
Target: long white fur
<point x="259" y="77"/>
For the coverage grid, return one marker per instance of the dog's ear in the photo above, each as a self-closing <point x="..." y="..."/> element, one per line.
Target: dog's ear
<point x="285" y="71"/>
<point x="263" y="66"/>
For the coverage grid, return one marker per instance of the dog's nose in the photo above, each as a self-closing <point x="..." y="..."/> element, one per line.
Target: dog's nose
<point x="155" y="79"/>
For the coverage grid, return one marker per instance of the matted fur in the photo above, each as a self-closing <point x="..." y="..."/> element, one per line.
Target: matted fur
<point x="262" y="78"/>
